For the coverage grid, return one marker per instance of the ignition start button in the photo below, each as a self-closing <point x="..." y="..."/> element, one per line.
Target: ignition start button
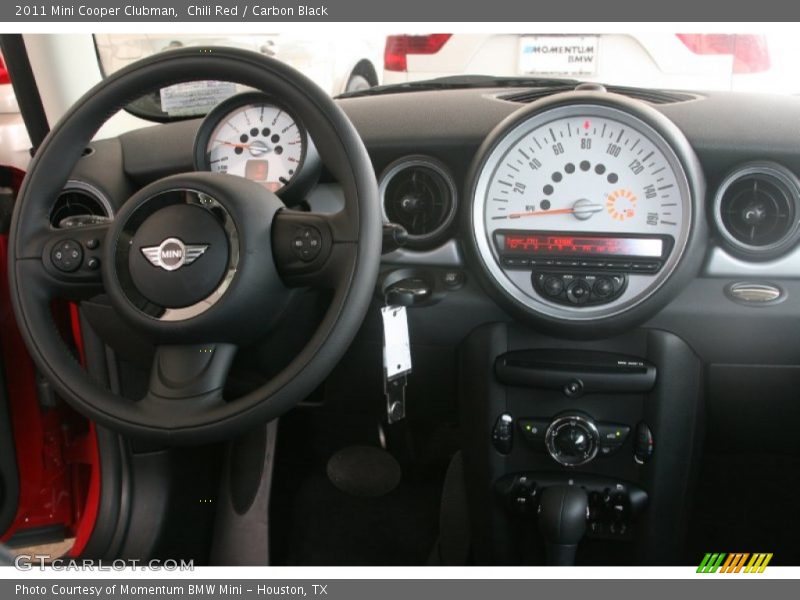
<point x="67" y="256"/>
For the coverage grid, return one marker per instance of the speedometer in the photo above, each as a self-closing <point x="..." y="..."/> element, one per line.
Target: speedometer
<point x="585" y="173"/>
<point x="582" y="210"/>
<point x="253" y="137"/>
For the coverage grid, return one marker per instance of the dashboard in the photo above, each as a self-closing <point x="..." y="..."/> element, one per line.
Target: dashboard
<point x="592" y="272"/>
<point x="584" y="213"/>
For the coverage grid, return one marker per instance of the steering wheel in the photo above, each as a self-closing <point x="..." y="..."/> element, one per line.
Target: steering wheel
<point x="198" y="263"/>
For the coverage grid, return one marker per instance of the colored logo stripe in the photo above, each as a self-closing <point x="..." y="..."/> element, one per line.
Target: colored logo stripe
<point x="734" y="563"/>
<point x="758" y="563"/>
<point x="711" y="563"/>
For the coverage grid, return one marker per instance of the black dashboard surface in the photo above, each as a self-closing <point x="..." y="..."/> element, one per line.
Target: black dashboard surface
<point x="724" y="129"/>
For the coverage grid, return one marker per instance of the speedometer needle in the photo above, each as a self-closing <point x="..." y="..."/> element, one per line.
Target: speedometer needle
<point x="582" y="209"/>
<point x="541" y="213"/>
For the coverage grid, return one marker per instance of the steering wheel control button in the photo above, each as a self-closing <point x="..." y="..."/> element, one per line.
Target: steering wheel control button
<point x="178" y="255"/>
<point x="503" y="434"/>
<point x="67" y="256"/>
<point x="572" y="440"/>
<point x="93" y="244"/>
<point x="307" y="243"/>
<point x="93" y="263"/>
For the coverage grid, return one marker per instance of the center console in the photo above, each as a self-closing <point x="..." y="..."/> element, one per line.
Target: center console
<point x="578" y="452"/>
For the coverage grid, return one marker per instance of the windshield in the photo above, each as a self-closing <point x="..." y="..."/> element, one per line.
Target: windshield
<point x="746" y="62"/>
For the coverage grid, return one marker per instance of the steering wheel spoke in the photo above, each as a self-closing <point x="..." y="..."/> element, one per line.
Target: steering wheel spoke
<point x="191" y="374"/>
<point x="311" y="249"/>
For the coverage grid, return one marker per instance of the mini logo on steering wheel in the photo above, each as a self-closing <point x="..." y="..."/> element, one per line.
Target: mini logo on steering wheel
<point x="172" y="254"/>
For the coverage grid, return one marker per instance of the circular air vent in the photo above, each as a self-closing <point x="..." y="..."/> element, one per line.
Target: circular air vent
<point x="79" y="199"/>
<point x="757" y="208"/>
<point x="419" y="194"/>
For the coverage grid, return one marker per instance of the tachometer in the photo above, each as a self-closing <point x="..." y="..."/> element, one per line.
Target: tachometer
<point x="251" y="136"/>
<point x="582" y="210"/>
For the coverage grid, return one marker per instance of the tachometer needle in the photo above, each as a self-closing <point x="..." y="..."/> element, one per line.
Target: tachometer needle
<point x="233" y="144"/>
<point x="256" y="148"/>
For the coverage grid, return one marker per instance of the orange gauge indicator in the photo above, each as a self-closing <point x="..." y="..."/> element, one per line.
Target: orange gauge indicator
<point x="621" y="204"/>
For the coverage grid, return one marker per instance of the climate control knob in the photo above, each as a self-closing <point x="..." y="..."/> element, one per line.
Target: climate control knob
<point x="572" y="439"/>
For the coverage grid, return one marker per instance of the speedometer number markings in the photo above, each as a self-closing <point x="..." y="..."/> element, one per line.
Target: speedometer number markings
<point x="614" y="175"/>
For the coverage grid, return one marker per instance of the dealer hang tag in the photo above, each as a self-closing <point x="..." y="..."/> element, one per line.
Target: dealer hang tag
<point x="396" y="346"/>
<point x="396" y="361"/>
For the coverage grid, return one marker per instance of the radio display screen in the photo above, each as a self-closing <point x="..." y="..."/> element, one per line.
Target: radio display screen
<point x="581" y="245"/>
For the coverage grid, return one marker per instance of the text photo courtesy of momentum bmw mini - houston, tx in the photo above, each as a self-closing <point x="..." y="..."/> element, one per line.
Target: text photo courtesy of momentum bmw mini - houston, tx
<point x="314" y="301"/>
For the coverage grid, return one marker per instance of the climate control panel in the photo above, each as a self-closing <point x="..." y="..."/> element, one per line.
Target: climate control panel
<point x="573" y="439"/>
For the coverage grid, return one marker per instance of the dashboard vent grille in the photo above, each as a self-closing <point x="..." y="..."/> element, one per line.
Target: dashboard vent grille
<point x="756" y="209"/>
<point x="78" y="200"/>
<point x="420" y="195"/>
<point x="650" y="96"/>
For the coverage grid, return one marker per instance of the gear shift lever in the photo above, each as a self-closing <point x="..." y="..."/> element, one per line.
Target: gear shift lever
<point x="562" y="521"/>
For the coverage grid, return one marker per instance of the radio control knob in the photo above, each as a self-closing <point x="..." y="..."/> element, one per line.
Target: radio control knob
<point x="553" y="285"/>
<point x="603" y="287"/>
<point x="578" y="292"/>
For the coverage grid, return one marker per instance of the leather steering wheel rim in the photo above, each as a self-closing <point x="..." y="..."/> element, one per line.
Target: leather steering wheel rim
<point x="344" y="155"/>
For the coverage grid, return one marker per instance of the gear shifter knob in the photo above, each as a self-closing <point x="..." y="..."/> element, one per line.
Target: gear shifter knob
<point x="562" y="521"/>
